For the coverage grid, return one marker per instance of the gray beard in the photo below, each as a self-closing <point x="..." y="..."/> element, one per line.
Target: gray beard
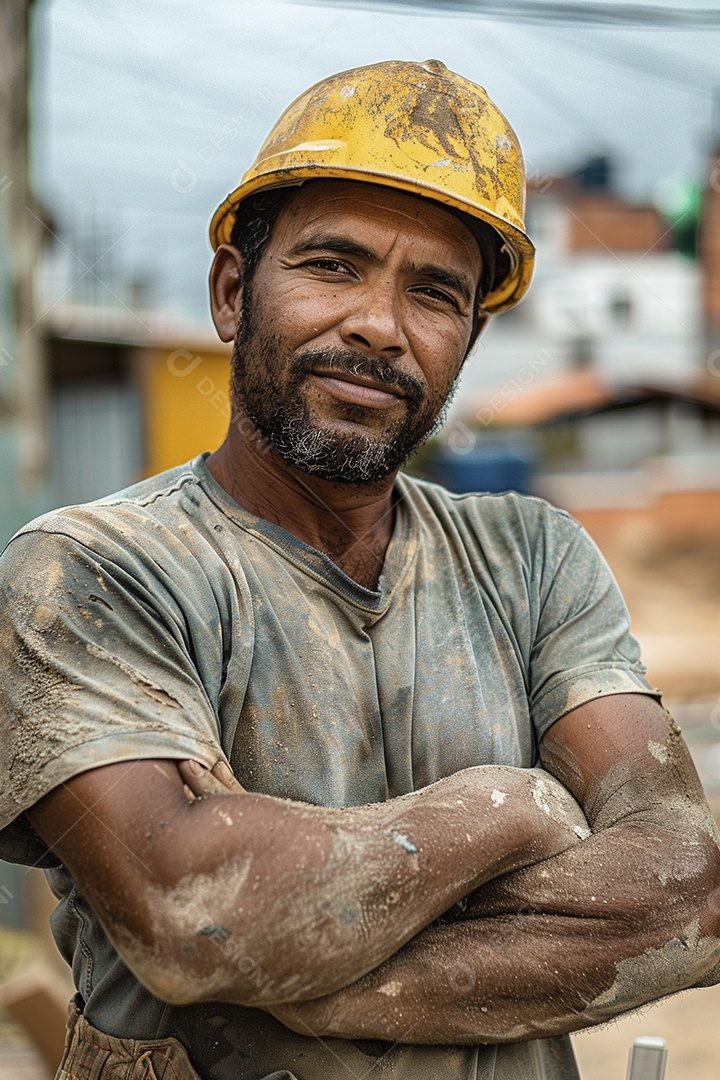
<point x="287" y="425"/>
<point x="352" y="459"/>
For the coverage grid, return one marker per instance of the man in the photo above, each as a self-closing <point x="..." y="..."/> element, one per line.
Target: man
<point x="272" y="718"/>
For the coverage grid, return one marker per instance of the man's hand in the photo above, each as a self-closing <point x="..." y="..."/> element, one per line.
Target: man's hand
<point x="201" y="783"/>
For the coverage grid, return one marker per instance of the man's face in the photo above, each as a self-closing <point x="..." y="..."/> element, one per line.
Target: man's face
<point x="354" y="328"/>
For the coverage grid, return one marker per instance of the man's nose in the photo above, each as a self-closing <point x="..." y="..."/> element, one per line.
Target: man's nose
<point x="375" y="322"/>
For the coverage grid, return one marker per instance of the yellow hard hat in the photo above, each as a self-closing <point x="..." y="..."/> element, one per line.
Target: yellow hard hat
<point x="417" y="127"/>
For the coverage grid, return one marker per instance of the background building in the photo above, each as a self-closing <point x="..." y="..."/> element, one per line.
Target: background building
<point x="607" y="379"/>
<point x="22" y="374"/>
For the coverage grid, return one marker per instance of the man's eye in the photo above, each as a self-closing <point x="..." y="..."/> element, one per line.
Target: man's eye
<point x="332" y="266"/>
<point x="438" y="294"/>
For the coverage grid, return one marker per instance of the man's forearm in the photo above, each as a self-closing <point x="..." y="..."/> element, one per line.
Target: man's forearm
<point x="572" y="942"/>
<point x="315" y="897"/>
<point x="392" y="868"/>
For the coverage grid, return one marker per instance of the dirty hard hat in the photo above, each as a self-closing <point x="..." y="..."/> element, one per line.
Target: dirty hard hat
<point x="416" y="127"/>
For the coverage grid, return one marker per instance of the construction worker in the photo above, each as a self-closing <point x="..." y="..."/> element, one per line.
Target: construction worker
<point x="333" y="772"/>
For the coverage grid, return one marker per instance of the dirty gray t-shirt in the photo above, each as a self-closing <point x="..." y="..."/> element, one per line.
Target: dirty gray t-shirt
<point x="166" y="621"/>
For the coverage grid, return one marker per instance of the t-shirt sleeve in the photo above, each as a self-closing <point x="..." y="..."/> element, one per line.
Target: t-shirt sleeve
<point x="96" y="667"/>
<point x="581" y="647"/>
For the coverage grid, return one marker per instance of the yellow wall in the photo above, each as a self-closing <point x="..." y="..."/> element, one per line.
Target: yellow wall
<point x="186" y="403"/>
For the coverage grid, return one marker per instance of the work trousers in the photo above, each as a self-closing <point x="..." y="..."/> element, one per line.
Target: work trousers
<point x="92" y="1055"/>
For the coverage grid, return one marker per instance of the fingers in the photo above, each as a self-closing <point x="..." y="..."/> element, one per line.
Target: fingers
<point x="200" y="782"/>
<point x="226" y="776"/>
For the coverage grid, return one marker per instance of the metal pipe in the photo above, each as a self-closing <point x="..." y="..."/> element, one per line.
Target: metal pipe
<point x="647" y="1059"/>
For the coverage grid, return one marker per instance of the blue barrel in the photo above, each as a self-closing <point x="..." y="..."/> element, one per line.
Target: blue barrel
<point x="485" y="468"/>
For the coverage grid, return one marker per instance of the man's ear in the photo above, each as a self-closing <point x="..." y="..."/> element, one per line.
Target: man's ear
<point x="226" y="281"/>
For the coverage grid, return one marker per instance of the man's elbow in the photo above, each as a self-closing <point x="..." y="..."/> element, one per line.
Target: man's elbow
<point x="673" y="944"/>
<point x="165" y="966"/>
<point x="215" y="963"/>
<point x="687" y="931"/>
<point x="692" y="881"/>
<point x="707" y="918"/>
<point x="171" y="985"/>
<point x="711" y="900"/>
<point x="212" y="968"/>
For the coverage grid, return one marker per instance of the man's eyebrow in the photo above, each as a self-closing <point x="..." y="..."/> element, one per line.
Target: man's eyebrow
<point x="341" y="245"/>
<point x="330" y="242"/>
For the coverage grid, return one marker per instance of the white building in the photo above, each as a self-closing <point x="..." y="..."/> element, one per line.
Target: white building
<point x="608" y="293"/>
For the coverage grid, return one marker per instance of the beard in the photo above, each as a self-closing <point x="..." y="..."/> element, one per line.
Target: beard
<point x="269" y="393"/>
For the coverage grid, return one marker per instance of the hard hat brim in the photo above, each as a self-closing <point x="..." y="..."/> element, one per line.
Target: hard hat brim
<point x="518" y="247"/>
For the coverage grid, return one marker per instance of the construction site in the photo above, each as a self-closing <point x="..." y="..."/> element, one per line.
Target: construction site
<point x="600" y="393"/>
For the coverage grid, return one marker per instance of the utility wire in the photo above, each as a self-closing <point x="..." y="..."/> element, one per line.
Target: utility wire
<point x="546" y="93"/>
<point x="588" y="14"/>
<point x="659" y="64"/>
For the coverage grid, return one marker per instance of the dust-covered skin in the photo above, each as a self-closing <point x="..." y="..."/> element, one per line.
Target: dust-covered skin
<point x="688" y="954"/>
<point x="318" y="897"/>
<point x="612" y="923"/>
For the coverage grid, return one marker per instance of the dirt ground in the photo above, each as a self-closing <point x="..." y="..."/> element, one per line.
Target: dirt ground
<point x="688" y="1023"/>
<point x="673" y="593"/>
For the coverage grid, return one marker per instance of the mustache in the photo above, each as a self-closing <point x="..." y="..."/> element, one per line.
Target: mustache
<point x="350" y="362"/>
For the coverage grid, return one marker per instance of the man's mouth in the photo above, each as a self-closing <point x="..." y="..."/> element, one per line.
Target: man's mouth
<point x="359" y="389"/>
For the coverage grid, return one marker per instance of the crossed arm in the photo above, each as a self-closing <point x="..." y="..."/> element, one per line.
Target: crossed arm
<point x="338" y="909"/>
<point x="629" y="915"/>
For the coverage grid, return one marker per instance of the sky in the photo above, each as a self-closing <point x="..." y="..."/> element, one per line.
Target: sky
<point x="147" y="112"/>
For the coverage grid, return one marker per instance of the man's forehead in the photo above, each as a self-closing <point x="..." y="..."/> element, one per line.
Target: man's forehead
<point x="365" y="208"/>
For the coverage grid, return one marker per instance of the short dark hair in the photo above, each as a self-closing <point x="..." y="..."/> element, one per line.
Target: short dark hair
<point x="254" y="223"/>
<point x="257" y="214"/>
